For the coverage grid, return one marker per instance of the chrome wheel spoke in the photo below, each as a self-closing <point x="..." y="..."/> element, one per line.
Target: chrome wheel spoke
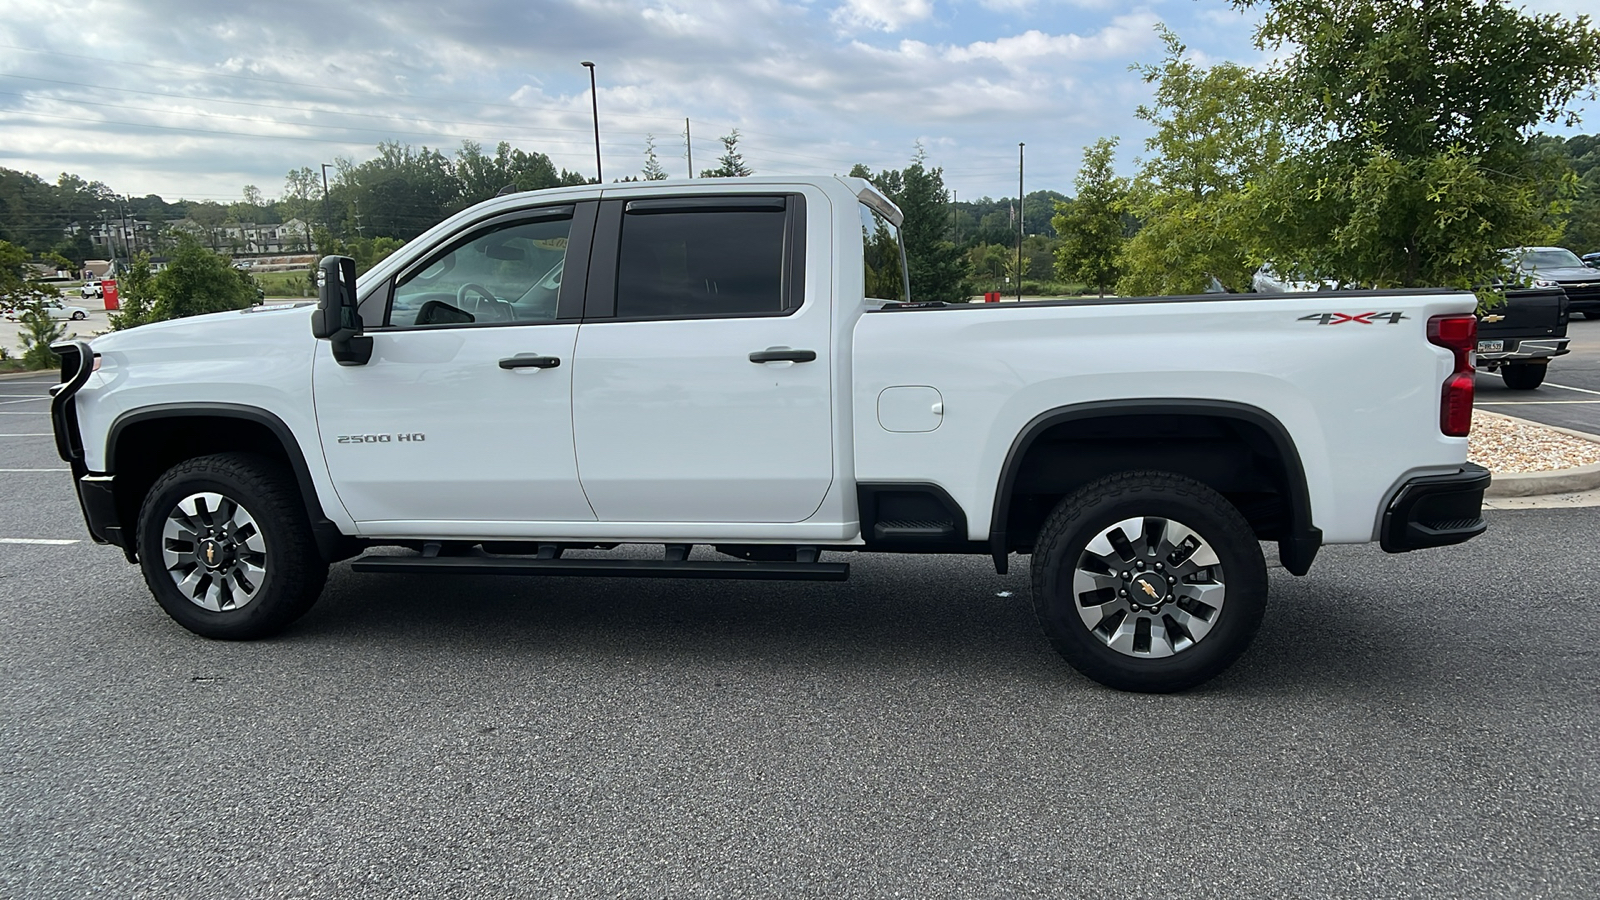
<point x="214" y="551"/>
<point x="1148" y="587"/>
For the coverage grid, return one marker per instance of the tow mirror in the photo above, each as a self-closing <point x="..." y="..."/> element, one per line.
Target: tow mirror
<point x="336" y="319"/>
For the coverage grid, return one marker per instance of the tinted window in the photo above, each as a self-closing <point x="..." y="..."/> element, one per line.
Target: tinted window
<point x="511" y="273"/>
<point x="701" y="263"/>
<point x="880" y="255"/>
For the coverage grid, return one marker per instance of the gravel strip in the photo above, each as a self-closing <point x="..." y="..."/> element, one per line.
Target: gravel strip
<point x="1513" y="446"/>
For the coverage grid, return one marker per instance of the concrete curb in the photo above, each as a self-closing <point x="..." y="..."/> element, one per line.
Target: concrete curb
<point x="1536" y="484"/>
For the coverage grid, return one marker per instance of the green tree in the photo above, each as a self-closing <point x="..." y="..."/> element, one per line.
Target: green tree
<point x="1215" y="136"/>
<point x="198" y="281"/>
<point x="1091" y="227"/>
<point x="39" y="331"/>
<point x="135" y="294"/>
<point x="937" y="268"/>
<point x="731" y="163"/>
<point x="1411" y="158"/>
<point x="652" y="163"/>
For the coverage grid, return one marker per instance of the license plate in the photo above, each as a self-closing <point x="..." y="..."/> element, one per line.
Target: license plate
<point x="1491" y="346"/>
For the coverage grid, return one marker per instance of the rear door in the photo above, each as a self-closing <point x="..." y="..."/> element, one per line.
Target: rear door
<point x="702" y="388"/>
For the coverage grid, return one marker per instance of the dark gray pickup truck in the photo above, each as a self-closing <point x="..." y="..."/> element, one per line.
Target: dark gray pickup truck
<point x="1520" y="337"/>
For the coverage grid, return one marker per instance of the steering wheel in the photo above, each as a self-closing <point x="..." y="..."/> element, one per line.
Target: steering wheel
<point x="486" y="307"/>
<point x="470" y="288"/>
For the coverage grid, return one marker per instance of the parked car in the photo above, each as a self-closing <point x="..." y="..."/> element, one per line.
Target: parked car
<point x="92" y="290"/>
<point x="1592" y="260"/>
<point x="1544" y="267"/>
<point x="55" y="308"/>
<point x="1267" y="281"/>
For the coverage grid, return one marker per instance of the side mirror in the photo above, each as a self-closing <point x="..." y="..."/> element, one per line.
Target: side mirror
<point x="336" y="319"/>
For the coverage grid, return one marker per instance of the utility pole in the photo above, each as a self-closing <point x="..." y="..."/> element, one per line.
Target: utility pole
<point x="1021" y="217"/>
<point x="594" y="102"/>
<point x="327" y="215"/>
<point x="688" y="145"/>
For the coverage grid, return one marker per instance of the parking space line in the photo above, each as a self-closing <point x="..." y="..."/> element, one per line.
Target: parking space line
<point x="29" y="400"/>
<point x="1570" y="388"/>
<point x="28" y="434"/>
<point x="22" y="396"/>
<point x="49" y="542"/>
<point x="35" y="470"/>
<point x="1538" y="403"/>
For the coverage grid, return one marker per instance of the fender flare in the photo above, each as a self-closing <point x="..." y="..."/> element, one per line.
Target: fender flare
<point x="330" y="540"/>
<point x="1296" y="549"/>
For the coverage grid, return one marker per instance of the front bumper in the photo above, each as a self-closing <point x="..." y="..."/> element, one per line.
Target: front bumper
<point x="95" y="492"/>
<point x="1436" y="510"/>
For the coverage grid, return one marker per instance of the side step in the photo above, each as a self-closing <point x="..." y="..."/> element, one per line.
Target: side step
<point x="605" y="568"/>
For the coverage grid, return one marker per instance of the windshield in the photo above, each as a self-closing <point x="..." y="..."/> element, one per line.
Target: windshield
<point x="1534" y="260"/>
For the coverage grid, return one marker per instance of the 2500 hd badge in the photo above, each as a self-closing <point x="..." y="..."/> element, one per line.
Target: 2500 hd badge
<point x="416" y="436"/>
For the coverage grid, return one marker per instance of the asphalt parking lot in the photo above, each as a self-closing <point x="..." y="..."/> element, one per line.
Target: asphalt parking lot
<point x="1570" y="395"/>
<point x="1406" y="726"/>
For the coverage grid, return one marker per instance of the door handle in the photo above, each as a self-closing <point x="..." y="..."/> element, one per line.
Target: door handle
<point x="530" y="361"/>
<point x="782" y="354"/>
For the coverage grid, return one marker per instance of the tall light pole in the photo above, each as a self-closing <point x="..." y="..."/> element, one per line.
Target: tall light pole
<point x="327" y="216"/>
<point x="1021" y="217"/>
<point x="594" y="102"/>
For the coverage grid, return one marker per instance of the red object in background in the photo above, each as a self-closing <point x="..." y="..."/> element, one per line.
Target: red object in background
<point x="109" y="290"/>
<point x="991" y="297"/>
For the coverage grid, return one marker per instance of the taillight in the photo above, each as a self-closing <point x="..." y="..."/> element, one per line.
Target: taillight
<point x="1458" y="334"/>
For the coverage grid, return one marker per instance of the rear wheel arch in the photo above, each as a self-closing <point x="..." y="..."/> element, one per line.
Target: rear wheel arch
<point x="143" y="444"/>
<point x="1216" y="421"/>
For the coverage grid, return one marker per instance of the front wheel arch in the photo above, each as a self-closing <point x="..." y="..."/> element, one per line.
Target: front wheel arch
<point x="143" y="444"/>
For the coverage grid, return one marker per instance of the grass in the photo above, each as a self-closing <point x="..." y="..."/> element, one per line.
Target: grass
<point x="279" y="285"/>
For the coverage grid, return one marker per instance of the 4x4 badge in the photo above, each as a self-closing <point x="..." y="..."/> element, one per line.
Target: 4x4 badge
<point x="1371" y="318"/>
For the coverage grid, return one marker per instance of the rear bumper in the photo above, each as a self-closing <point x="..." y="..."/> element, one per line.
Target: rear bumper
<point x="1436" y="510"/>
<point x="1522" y="351"/>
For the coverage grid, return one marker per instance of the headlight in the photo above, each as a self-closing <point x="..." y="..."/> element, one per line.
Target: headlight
<point x="1545" y="282"/>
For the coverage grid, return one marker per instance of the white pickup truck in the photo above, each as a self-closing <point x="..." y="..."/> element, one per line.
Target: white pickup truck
<point x="736" y="364"/>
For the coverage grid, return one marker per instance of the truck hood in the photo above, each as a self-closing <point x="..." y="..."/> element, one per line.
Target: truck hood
<point x="274" y="323"/>
<point x="1568" y="274"/>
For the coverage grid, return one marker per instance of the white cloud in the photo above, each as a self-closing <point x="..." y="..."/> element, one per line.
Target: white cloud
<point x="883" y="15"/>
<point x="1125" y="35"/>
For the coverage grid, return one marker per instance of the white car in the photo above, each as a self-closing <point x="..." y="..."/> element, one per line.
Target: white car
<point x="55" y="308"/>
<point x="92" y="290"/>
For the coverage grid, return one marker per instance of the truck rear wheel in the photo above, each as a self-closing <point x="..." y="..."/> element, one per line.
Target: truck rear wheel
<point x="1148" y="581"/>
<point x="225" y="546"/>
<point x="1524" y="376"/>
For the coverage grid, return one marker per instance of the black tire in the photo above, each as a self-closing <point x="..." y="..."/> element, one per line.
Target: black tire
<point x="1591" y="315"/>
<point x="294" y="571"/>
<point x="1523" y="376"/>
<point x="1157" y="497"/>
<point x="78" y="317"/>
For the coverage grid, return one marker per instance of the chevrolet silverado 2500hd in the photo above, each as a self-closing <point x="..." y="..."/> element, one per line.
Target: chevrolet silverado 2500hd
<point x="738" y="364"/>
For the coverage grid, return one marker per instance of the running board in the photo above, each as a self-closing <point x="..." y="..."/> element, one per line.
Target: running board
<point x="603" y="568"/>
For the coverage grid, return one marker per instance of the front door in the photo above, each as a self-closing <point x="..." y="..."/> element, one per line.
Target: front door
<point x="464" y="413"/>
<point x="702" y="388"/>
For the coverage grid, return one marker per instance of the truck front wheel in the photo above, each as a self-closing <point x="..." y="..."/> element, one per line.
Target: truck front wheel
<point x="226" y="547"/>
<point x="1148" y="581"/>
<point x="1524" y="376"/>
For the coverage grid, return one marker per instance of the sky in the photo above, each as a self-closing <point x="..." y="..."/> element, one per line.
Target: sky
<point x="196" y="99"/>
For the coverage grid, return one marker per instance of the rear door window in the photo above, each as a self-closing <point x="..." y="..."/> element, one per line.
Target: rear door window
<point x="722" y="257"/>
